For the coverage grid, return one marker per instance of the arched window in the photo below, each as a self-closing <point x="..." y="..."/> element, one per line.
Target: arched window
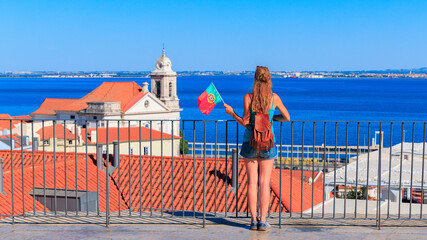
<point x="170" y="89"/>
<point x="158" y="89"/>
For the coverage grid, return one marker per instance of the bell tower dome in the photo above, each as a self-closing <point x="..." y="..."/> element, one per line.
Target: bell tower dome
<point x="163" y="82"/>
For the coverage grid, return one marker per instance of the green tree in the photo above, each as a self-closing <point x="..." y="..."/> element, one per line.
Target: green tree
<point x="181" y="145"/>
<point x="361" y="194"/>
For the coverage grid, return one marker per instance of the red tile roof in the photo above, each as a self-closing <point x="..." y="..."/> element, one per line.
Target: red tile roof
<point x="5" y="116"/>
<point x="143" y="198"/>
<point x="48" y="177"/>
<point x="49" y="105"/>
<point x="124" y="134"/>
<point x="5" y="124"/>
<point x="296" y="189"/>
<point x="59" y="132"/>
<point x="122" y="92"/>
<point x="133" y="176"/>
<point x="142" y="171"/>
<point x="22" y="117"/>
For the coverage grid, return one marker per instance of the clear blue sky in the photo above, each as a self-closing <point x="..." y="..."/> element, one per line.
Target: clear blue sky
<point x="212" y="35"/>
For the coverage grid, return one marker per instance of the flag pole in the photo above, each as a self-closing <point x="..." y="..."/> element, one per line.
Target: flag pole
<point x="218" y="93"/>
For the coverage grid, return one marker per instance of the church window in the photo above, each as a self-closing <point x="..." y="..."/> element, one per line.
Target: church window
<point x="170" y="89"/>
<point x="146" y="104"/>
<point x="158" y="89"/>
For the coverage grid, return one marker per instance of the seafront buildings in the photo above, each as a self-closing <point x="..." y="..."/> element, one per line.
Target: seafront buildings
<point x="392" y="73"/>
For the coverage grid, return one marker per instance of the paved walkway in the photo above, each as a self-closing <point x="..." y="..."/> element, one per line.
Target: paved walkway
<point x="63" y="228"/>
<point x="219" y="231"/>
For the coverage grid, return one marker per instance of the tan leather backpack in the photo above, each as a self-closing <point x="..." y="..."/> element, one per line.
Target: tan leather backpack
<point x="262" y="138"/>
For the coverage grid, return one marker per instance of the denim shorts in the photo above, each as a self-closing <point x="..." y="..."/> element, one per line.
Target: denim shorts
<point x="251" y="153"/>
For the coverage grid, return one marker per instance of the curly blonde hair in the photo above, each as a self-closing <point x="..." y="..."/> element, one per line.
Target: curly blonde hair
<point x="262" y="90"/>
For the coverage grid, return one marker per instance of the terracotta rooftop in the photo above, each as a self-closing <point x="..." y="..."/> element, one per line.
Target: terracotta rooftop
<point x="47" y="179"/>
<point x="185" y="191"/>
<point x="132" y="169"/>
<point x="59" y="132"/>
<point x="306" y="189"/>
<point x="49" y="105"/>
<point x="22" y="117"/>
<point x="5" y="124"/>
<point x="5" y="116"/>
<point x="122" y="92"/>
<point x="124" y="134"/>
<point x="132" y="178"/>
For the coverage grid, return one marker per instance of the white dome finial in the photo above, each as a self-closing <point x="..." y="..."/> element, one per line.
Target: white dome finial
<point x="163" y="64"/>
<point x="163" y="54"/>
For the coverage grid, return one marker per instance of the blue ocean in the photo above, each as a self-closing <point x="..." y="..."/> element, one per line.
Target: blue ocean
<point x="308" y="100"/>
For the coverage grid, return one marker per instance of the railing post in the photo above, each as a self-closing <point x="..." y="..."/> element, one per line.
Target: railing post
<point x="204" y="175"/>
<point x="280" y="177"/>
<point x="379" y="181"/>
<point x="1" y="177"/>
<point x="11" y="171"/>
<point x="237" y="167"/>
<point x="234" y="171"/>
<point x="107" y="198"/>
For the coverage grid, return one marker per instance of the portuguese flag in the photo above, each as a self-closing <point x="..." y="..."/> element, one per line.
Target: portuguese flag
<point x="209" y="99"/>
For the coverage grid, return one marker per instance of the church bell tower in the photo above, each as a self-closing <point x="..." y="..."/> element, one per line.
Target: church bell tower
<point x="163" y="82"/>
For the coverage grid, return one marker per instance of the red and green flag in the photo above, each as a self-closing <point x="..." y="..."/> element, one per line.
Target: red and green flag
<point x="209" y="98"/>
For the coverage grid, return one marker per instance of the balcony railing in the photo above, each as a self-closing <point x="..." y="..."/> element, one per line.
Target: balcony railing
<point x="181" y="168"/>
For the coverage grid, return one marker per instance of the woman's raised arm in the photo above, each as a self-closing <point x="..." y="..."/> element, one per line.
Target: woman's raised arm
<point x="284" y="117"/>
<point x="246" y="112"/>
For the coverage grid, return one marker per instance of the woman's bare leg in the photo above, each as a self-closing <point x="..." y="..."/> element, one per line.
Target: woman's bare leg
<point x="252" y="173"/>
<point x="265" y="168"/>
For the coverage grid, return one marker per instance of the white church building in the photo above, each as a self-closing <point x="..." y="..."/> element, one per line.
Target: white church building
<point x="122" y="101"/>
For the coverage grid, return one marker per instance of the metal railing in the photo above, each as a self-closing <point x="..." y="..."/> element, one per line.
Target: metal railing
<point x="146" y="168"/>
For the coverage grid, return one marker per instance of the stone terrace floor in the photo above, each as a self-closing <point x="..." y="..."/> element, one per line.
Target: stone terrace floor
<point x="216" y="228"/>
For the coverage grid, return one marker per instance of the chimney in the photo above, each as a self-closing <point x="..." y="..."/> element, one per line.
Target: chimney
<point x="115" y="158"/>
<point x="99" y="155"/>
<point x="93" y="136"/>
<point x="145" y="87"/>
<point x="36" y="144"/>
<point x="27" y="140"/>
<point x="79" y="134"/>
<point x="1" y="177"/>
<point x="235" y="171"/>
<point x="115" y="153"/>
<point x="13" y="143"/>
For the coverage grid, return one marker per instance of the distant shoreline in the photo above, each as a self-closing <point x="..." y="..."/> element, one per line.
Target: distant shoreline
<point x="273" y="76"/>
<point x="413" y="73"/>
